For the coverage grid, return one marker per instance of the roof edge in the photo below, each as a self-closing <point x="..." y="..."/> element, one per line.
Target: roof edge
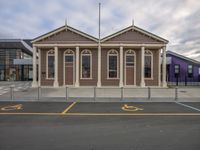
<point x="61" y="29"/>
<point x="137" y="29"/>
<point x="183" y="57"/>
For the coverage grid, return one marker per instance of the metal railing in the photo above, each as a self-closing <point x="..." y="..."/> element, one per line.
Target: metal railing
<point x="96" y="94"/>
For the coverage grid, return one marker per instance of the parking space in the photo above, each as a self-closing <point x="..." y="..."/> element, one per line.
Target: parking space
<point x="74" y="108"/>
<point x="32" y="107"/>
<point x="196" y="105"/>
<point x="130" y="108"/>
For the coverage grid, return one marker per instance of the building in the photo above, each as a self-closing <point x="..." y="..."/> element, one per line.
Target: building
<point x="182" y="70"/>
<point x="69" y="57"/>
<point x="15" y="60"/>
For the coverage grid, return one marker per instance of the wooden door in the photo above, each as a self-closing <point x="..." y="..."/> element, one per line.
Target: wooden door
<point x="130" y="68"/>
<point x="69" y="69"/>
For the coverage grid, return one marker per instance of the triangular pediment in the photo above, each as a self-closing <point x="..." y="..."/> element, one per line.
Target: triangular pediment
<point x="65" y="35"/>
<point x="133" y="35"/>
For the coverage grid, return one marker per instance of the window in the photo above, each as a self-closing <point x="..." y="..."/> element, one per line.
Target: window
<point x="50" y="64"/>
<point x="69" y="56"/>
<point x="190" y="71"/>
<point x="130" y="58"/>
<point x="176" y="70"/>
<point x="112" y="64"/>
<point x="199" y="70"/>
<point x="86" y="64"/>
<point x="148" y="64"/>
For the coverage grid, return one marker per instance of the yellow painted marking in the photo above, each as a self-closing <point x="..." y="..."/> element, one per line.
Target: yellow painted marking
<point x="33" y="114"/>
<point x="133" y="114"/>
<point x="12" y="107"/>
<point x="130" y="108"/>
<point x="104" y="114"/>
<point x="68" y="108"/>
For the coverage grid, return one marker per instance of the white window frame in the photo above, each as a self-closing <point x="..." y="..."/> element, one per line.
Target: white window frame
<point x="90" y="54"/>
<point x="127" y="53"/>
<point x="199" y="71"/>
<point x="149" y="53"/>
<point x="68" y="52"/>
<point x="190" y="68"/>
<point x="108" y="54"/>
<point x="47" y="61"/>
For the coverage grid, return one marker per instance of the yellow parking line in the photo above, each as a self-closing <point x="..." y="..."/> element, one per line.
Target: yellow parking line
<point x="105" y="114"/>
<point x="68" y="108"/>
<point x="42" y="114"/>
<point x="133" y="114"/>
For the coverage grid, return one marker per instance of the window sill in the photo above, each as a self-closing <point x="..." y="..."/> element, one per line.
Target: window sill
<point x="148" y="78"/>
<point x="49" y="78"/>
<point x="112" y="78"/>
<point x="86" y="78"/>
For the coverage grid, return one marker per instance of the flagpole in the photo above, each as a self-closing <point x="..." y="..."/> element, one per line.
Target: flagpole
<point x="99" y="21"/>
<point x="99" y="50"/>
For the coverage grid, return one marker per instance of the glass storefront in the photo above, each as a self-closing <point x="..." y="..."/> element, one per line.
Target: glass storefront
<point x="11" y="72"/>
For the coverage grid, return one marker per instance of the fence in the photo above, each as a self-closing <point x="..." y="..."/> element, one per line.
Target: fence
<point x="100" y="94"/>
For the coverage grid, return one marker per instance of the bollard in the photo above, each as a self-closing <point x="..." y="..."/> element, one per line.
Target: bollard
<point x="95" y="93"/>
<point x="122" y="93"/>
<point x="149" y="93"/>
<point x="176" y="93"/>
<point x="11" y="93"/>
<point x="39" y="91"/>
<point x="66" y="94"/>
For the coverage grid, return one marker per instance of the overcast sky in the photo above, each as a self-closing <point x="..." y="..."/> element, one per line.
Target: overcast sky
<point x="175" y="20"/>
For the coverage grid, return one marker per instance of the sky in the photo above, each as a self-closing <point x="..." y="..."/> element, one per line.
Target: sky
<point x="178" y="21"/>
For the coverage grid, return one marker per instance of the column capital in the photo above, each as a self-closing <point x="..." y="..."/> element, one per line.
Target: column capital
<point x="143" y="45"/>
<point x="77" y="46"/>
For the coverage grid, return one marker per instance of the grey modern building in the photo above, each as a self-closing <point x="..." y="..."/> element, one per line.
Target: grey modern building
<point x="15" y="60"/>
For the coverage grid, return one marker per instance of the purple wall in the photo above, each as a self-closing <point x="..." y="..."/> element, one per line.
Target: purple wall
<point x="183" y="77"/>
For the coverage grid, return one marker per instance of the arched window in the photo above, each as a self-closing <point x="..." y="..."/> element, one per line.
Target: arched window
<point x="130" y="58"/>
<point x="148" y="68"/>
<point x="86" y="64"/>
<point x="50" y="64"/>
<point x="69" y="56"/>
<point x="112" y="64"/>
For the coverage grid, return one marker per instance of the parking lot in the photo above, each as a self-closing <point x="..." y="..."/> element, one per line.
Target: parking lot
<point x="99" y="108"/>
<point x="94" y="126"/>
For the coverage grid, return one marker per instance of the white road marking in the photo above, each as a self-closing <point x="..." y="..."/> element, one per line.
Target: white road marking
<point x="188" y="106"/>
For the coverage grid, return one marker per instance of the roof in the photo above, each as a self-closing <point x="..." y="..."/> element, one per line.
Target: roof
<point x="23" y="44"/>
<point x="137" y="29"/>
<point x="61" y="29"/>
<point x="182" y="57"/>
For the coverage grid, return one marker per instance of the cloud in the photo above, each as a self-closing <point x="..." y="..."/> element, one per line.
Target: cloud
<point x="177" y="21"/>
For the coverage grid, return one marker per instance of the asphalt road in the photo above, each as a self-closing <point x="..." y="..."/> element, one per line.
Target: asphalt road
<point x="93" y="132"/>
